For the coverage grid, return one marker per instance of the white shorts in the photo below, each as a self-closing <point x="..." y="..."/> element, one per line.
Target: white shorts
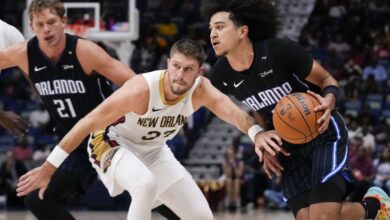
<point x="105" y="152"/>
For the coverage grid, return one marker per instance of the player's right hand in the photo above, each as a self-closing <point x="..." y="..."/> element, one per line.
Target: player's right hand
<point x="37" y="178"/>
<point x="270" y="142"/>
<point x="13" y="123"/>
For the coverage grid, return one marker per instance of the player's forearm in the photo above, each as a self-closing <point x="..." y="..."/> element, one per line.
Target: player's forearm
<point x="244" y="121"/>
<point x="75" y="136"/>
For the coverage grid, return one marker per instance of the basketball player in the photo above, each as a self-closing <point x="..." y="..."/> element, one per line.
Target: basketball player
<point x="131" y="153"/>
<point x="10" y="35"/>
<point x="258" y="69"/>
<point x="69" y="75"/>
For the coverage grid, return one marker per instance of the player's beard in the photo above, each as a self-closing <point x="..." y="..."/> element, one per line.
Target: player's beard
<point x="180" y="88"/>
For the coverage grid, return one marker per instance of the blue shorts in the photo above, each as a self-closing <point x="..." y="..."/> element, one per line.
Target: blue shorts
<point x="317" y="161"/>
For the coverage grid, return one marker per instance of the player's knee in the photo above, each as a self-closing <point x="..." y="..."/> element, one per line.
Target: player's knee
<point x="204" y="214"/>
<point x="201" y="212"/>
<point x="147" y="184"/>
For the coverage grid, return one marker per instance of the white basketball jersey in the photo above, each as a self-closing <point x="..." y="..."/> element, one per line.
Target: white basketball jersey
<point x="162" y="120"/>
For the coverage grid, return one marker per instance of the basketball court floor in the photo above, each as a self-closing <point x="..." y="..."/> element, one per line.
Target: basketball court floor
<point x="259" y="214"/>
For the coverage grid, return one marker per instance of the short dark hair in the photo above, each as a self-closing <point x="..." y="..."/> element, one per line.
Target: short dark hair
<point x="55" y="6"/>
<point x="190" y="48"/>
<point x="261" y="16"/>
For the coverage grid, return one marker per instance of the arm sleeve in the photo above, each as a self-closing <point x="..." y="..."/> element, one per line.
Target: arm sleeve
<point x="292" y="57"/>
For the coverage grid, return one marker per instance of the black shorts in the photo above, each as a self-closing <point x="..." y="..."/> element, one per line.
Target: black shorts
<point x="333" y="190"/>
<point x="317" y="161"/>
<point x="78" y="163"/>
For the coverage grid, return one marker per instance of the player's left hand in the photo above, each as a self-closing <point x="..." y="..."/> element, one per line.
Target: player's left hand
<point x="269" y="141"/>
<point x="271" y="165"/>
<point x="326" y="106"/>
<point x="37" y="178"/>
<point x="13" y="123"/>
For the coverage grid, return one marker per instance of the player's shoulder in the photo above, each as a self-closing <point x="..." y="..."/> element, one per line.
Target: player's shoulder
<point x="221" y="62"/>
<point x="138" y="85"/>
<point x="281" y="44"/>
<point x="83" y="43"/>
<point x="220" y="66"/>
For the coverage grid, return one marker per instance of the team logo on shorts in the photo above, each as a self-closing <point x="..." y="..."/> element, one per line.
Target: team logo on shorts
<point x="100" y="144"/>
<point x="107" y="160"/>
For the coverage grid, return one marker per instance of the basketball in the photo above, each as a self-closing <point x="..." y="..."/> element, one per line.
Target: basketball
<point x="294" y="118"/>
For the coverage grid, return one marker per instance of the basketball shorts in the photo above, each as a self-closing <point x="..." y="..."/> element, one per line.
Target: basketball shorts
<point x="77" y="163"/>
<point x="317" y="161"/>
<point x="106" y="149"/>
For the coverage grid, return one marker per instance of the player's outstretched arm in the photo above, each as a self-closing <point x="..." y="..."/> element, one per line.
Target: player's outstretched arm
<point x="15" y="55"/>
<point x="221" y="105"/>
<point x="94" y="59"/>
<point x="130" y="97"/>
<point x="13" y="123"/>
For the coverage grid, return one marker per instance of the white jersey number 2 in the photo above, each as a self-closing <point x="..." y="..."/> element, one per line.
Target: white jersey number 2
<point x="65" y="108"/>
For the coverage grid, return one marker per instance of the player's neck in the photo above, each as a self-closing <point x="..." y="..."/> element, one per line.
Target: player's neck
<point x="241" y="57"/>
<point x="54" y="52"/>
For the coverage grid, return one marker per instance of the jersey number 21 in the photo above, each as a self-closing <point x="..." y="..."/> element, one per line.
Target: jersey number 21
<point x="65" y="108"/>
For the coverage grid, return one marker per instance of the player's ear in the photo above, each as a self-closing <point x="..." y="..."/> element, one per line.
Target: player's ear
<point x="65" y="19"/>
<point x="244" y="31"/>
<point x="167" y="62"/>
<point x="202" y="69"/>
<point x="31" y="26"/>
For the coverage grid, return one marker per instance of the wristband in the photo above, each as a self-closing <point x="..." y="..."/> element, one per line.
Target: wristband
<point x="253" y="130"/>
<point x="57" y="156"/>
<point x="332" y="89"/>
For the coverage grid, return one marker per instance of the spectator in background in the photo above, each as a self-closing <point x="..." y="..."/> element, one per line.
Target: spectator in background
<point x="363" y="171"/>
<point x="40" y="154"/>
<point x="351" y="74"/>
<point x="382" y="164"/>
<point x="9" y="35"/>
<point x="10" y="171"/>
<point x="352" y="70"/>
<point x="233" y="168"/>
<point x="337" y="11"/>
<point x="23" y="151"/>
<point x="274" y="194"/>
<point x="339" y="45"/>
<point x="167" y="28"/>
<point x="378" y="71"/>
<point x="382" y="51"/>
<point x="39" y="117"/>
<point x="354" y="130"/>
<point x="368" y="140"/>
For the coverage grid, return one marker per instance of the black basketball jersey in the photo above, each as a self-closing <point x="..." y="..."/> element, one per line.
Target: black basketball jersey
<point x="66" y="90"/>
<point x="279" y="67"/>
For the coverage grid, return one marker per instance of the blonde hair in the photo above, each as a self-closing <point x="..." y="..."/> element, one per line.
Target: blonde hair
<point x="55" y="6"/>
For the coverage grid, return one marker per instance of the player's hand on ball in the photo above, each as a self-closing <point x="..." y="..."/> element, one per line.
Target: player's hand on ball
<point x="271" y="165"/>
<point x="270" y="142"/>
<point x="325" y="106"/>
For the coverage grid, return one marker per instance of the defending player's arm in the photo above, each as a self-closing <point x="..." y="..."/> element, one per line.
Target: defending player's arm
<point x="14" y="56"/>
<point x="13" y="122"/>
<point x="126" y="99"/>
<point x="10" y="57"/>
<point x="221" y="105"/>
<point x="94" y="59"/>
<point x="330" y="93"/>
